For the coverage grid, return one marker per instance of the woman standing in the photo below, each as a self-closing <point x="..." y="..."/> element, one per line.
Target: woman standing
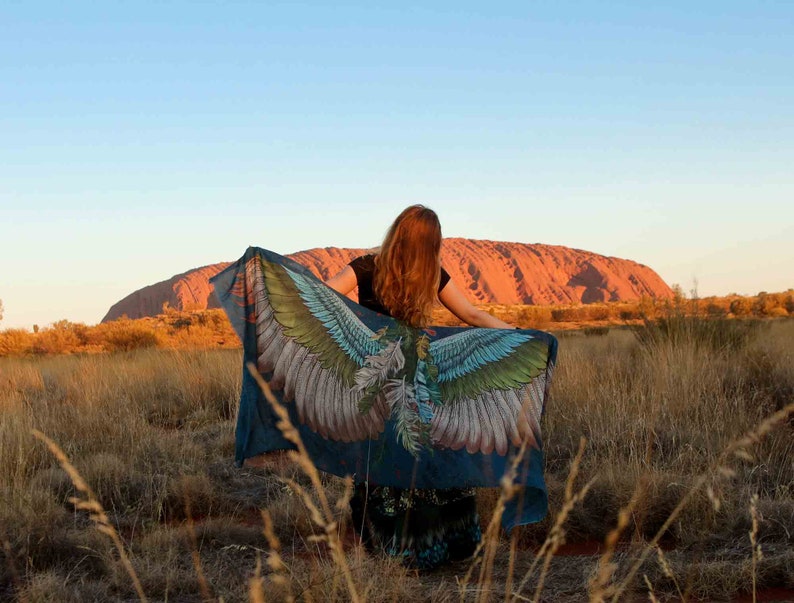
<point x="403" y="280"/>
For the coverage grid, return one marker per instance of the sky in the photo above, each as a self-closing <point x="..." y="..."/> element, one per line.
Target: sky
<point x="141" y="140"/>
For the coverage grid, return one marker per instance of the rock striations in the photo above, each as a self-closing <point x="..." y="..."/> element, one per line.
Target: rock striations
<point x="487" y="271"/>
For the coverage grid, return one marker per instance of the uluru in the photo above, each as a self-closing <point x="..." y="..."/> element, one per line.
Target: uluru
<point x="487" y="271"/>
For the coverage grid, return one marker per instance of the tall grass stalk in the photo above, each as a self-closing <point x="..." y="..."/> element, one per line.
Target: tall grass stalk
<point x="485" y="551"/>
<point x="757" y="554"/>
<point x="95" y="511"/>
<point x="556" y="535"/>
<point x="599" y="584"/>
<point x="195" y="555"/>
<point x="324" y="519"/>
<point x="738" y="448"/>
<point x="12" y="568"/>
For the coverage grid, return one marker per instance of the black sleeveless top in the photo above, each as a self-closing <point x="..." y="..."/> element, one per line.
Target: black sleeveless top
<point x="364" y="267"/>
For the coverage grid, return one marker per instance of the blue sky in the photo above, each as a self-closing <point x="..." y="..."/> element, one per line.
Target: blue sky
<point x="139" y="140"/>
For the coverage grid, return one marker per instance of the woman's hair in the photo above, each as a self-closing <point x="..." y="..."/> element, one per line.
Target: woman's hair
<point x="407" y="268"/>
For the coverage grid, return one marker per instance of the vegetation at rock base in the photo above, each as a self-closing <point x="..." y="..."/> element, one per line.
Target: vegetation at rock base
<point x="205" y="329"/>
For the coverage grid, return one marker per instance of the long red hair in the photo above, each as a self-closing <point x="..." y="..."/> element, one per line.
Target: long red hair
<point x="408" y="268"/>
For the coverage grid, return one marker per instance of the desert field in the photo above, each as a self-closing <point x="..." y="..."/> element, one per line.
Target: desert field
<point x="669" y="461"/>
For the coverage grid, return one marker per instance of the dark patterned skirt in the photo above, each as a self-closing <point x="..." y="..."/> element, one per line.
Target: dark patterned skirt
<point x="425" y="527"/>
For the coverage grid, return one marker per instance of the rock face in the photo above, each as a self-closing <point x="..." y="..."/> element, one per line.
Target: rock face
<point x="486" y="271"/>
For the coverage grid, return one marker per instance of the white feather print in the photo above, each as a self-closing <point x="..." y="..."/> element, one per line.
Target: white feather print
<point x="398" y="392"/>
<point x="453" y="425"/>
<point x="461" y="424"/>
<point x="378" y="368"/>
<point x="487" y="429"/>
<point x="355" y="421"/>
<point x="439" y="425"/>
<point x="286" y="356"/>
<point x="338" y="426"/>
<point x="342" y="427"/>
<point x="307" y="393"/>
<point x="301" y="383"/>
<point x="475" y="428"/>
<point x="291" y="379"/>
<point x="348" y="425"/>
<point x="525" y="430"/>
<point x="499" y="421"/>
<point x="323" y="400"/>
<point x="311" y="399"/>
<point x="539" y="392"/>
<point x="268" y="345"/>
<point x="512" y="410"/>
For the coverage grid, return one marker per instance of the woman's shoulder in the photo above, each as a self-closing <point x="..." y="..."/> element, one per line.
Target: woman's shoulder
<point x="363" y="264"/>
<point x="365" y="259"/>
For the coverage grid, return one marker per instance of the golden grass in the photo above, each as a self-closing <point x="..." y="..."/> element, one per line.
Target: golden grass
<point x="687" y="481"/>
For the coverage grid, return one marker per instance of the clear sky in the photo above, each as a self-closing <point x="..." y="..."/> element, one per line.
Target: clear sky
<point x="140" y="140"/>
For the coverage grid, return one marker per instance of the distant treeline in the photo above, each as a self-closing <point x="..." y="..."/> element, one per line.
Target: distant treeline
<point x="174" y="329"/>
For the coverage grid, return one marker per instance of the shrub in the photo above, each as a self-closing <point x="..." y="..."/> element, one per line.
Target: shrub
<point x="597" y="331"/>
<point x="533" y="316"/>
<point x="598" y="312"/>
<point x="125" y="335"/>
<point x="646" y="307"/>
<point x="197" y="336"/>
<point x="15" y="342"/>
<point x="565" y="314"/>
<point x="718" y="334"/>
<point x="715" y="310"/>
<point x="61" y="337"/>
<point x="741" y="307"/>
<point x="765" y="303"/>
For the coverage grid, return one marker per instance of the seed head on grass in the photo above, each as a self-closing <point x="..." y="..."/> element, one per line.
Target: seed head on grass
<point x="194" y="553"/>
<point x="757" y="553"/>
<point x="600" y="583"/>
<point x="485" y="552"/>
<point x="323" y="515"/>
<point x="741" y="446"/>
<point x="256" y="585"/>
<point x="556" y="537"/>
<point x="651" y="596"/>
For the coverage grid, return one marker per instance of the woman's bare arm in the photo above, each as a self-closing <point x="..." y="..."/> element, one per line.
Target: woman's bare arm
<point x="344" y="281"/>
<point x="457" y="303"/>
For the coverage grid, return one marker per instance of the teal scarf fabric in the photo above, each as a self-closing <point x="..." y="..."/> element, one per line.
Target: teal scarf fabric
<point x="441" y="407"/>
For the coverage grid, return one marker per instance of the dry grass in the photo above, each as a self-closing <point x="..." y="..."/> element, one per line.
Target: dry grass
<point x="680" y="454"/>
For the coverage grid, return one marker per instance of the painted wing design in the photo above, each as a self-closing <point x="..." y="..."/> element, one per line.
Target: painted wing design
<point x="314" y="344"/>
<point x="493" y="384"/>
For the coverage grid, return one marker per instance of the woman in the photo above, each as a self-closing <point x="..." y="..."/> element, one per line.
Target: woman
<point x="404" y="280"/>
